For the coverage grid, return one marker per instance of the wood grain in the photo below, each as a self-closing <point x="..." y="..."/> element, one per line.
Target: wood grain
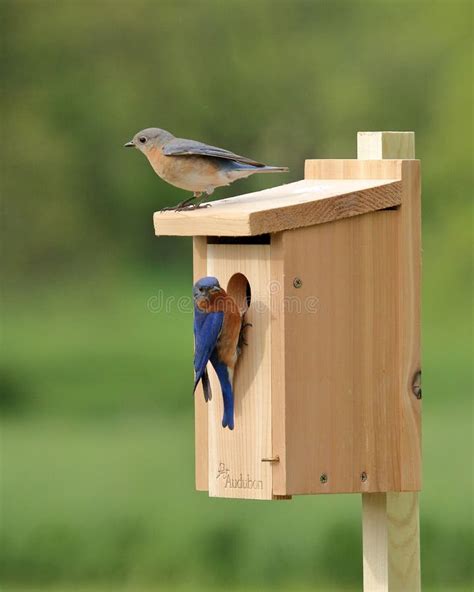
<point x="375" y="537"/>
<point x="403" y="542"/>
<point x="352" y="169"/>
<point x="294" y="205"/>
<point x="390" y="529"/>
<point x="341" y="377"/>
<point x="235" y="457"/>
<point x="409" y="245"/>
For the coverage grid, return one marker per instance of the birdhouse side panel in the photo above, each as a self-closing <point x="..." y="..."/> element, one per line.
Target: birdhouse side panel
<point x="343" y="416"/>
<point x="410" y="325"/>
<point x="400" y="256"/>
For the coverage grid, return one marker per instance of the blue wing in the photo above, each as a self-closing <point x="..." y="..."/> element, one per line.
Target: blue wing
<point x="206" y="332"/>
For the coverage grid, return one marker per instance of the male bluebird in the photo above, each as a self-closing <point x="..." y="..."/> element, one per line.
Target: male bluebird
<point x="217" y="331"/>
<point x="192" y="165"/>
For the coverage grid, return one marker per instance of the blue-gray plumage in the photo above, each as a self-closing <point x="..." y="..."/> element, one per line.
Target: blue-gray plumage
<point x="217" y="329"/>
<point x="192" y="165"/>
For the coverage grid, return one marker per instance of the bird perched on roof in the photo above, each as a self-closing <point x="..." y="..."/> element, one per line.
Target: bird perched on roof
<point x="218" y="325"/>
<point x="192" y="165"/>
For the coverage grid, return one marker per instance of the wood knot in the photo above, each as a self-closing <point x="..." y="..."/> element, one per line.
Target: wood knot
<point x="416" y="384"/>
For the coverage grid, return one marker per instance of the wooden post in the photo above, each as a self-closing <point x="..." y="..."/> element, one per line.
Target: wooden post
<point x="390" y="521"/>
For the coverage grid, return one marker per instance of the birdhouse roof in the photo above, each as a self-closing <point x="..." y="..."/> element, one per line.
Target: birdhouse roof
<point x="303" y="203"/>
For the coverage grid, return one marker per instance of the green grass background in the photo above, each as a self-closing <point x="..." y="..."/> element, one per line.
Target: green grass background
<point x="97" y="475"/>
<point x="98" y="480"/>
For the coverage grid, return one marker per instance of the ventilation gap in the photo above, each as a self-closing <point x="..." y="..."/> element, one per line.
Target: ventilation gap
<point x="259" y="239"/>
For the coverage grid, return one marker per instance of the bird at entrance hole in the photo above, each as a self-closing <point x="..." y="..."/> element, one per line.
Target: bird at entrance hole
<point x="218" y="328"/>
<point x="194" y="166"/>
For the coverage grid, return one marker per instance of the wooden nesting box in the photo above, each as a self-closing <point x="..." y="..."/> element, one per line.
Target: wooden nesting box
<point x="327" y="390"/>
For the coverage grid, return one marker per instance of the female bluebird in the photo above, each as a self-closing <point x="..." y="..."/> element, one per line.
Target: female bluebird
<point x="217" y="329"/>
<point x="192" y="165"/>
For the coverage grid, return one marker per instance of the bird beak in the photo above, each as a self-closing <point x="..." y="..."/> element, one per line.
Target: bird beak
<point x="215" y="289"/>
<point x="129" y="144"/>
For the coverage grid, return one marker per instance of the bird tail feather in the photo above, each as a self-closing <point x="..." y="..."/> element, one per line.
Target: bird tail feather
<point x="272" y="169"/>
<point x="228" y="397"/>
<point x="252" y="168"/>
<point x="225" y="376"/>
<point x="206" y="385"/>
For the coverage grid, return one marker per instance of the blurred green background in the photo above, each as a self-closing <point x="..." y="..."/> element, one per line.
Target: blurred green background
<point x="97" y="430"/>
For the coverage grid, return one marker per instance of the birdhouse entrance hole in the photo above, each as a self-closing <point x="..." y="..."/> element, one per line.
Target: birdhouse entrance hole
<point x="239" y="288"/>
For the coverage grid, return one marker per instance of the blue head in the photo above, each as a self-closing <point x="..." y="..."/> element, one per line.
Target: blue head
<point x="204" y="287"/>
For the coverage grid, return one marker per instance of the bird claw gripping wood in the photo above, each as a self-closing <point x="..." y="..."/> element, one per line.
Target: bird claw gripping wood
<point x="185" y="207"/>
<point x="242" y="341"/>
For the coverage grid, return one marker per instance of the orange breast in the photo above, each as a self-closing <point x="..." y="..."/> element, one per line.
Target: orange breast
<point x="194" y="173"/>
<point x="229" y="337"/>
<point x="157" y="160"/>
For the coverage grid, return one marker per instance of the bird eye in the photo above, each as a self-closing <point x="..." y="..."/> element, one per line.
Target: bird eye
<point x="142" y="139"/>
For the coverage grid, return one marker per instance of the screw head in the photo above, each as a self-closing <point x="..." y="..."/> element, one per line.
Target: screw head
<point x="363" y="476"/>
<point x="297" y="282"/>
<point x="323" y="478"/>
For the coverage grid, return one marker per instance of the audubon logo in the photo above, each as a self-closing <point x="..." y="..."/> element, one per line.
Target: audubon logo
<point x="241" y="482"/>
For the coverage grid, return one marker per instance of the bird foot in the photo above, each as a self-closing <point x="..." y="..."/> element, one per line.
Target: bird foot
<point x="192" y="207"/>
<point x="184" y="207"/>
<point x="242" y="341"/>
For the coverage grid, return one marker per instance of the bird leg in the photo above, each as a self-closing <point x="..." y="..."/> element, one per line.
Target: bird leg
<point x="187" y="205"/>
<point x="199" y="196"/>
<point x="193" y="206"/>
<point x="181" y="205"/>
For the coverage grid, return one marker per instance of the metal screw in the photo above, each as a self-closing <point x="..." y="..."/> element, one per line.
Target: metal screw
<point x="297" y="282"/>
<point x="416" y="385"/>
<point x="323" y="478"/>
<point x="363" y="476"/>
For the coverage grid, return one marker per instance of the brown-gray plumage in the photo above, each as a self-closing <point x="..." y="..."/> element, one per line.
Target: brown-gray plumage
<point x="193" y="165"/>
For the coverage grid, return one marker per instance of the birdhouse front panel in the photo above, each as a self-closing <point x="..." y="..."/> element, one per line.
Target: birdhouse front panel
<point x="235" y="467"/>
